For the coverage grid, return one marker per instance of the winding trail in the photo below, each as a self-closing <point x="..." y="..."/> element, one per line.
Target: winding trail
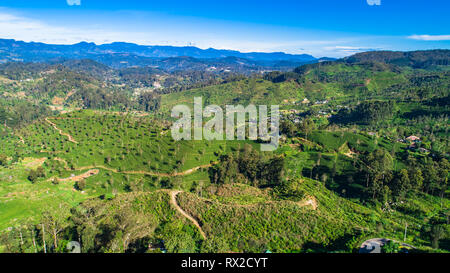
<point x="134" y="172"/>
<point x="93" y="170"/>
<point x="173" y="201"/>
<point x="144" y="172"/>
<point x="61" y="132"/>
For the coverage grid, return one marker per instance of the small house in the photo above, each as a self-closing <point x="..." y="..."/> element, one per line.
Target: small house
<point x="413" y="139"/>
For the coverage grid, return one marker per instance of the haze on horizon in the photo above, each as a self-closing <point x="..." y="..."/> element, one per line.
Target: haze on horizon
<point x="320" y="28"/>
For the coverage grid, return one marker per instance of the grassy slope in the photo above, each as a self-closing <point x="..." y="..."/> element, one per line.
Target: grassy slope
<point x="131" y="143"/>
<point x="238" y="222"/>
<point x="251" y="91"/>
<point x="259" y="91"/>
<point x="22" y="201"/>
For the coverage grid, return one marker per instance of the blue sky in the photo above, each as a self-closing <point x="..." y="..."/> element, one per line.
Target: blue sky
<point x="333" y="28"/>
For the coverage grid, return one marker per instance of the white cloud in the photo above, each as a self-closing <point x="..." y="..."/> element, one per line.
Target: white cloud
<point x="374" y="2"/>
<point x="342" y="51"/>
<point x="17" y="27"/>
<point x="74" y="2"/>
<point x="430" y="37"/>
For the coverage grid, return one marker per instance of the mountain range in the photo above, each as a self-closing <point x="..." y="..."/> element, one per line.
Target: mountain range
<point x="120" y="54"/>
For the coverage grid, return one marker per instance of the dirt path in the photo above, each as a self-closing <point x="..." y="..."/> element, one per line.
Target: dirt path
<point x="134" y="172"/>
<point x="310" y="201"/>
<point x="79" y="177"/>
<point x="173" y="201"/>
<point x="93" y="170"/>
<point x="30" y="162"/>
<point x="69" y="95"/>
<point x="65" y="118"/>
<point x="60" y="131"/>
<point x="350" y="154"/>
<point x="146" y="172"/>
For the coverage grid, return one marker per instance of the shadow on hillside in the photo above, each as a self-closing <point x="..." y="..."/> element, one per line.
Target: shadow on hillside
<point x="348" y="184"/>
<point x="341" y="244"/>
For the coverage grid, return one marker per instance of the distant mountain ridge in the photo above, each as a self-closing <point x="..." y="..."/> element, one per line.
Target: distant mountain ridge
<point x="22" y="51"/>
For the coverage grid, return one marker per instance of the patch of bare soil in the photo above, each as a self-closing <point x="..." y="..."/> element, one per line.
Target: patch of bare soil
<point x="30" y="162"/>
<point x="173" y="201"/>
<point x="80" y="177"/>
<point x="309" y="201"/>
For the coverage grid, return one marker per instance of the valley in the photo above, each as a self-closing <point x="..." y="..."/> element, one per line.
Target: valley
<point x="87" y="155"/>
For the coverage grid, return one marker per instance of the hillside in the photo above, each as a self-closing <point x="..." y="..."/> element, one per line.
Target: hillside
<point x="335" y="82"/>
<point x="363" y="153"/>
<point x="416" y="59"/>
<point x="255" y="91"/>
<point x="77" y="84"/>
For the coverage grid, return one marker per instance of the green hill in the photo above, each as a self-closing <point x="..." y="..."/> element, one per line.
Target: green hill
<point x="249" y="91"/>
<point x="363" y="153"/>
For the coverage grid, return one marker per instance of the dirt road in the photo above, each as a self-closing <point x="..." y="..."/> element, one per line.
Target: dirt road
<point x="173" y="201"/>
<point x="60" y="131"/>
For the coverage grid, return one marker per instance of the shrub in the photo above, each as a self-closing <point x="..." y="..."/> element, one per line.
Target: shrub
<point x="3" y="160"/>
<point x="80" y="185"/>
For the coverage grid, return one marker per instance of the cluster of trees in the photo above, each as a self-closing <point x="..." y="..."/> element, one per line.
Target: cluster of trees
<point x="87" y="82"/>
<point x="149" y="101"/>
<point x="249" y="167"/>
<point x="435" y="172"/>
<point x="103" y="99"/>
<point x="15" y="113"/>
<point x="96" y="86"/>
<point x="33" y="175"/>
<point x="391" y="247"/>
<point x="43" y="236"/>
<point x="428" y="88"/>
<point x="3" y="160"/>
<point x="416" y="59"/>
<point x="139" y="76"/>
<point x="132" y="222"/>
<point x="195" y="79"/>
<point x="367" y="112"/>
<point x="21" y="71"/>
<point x="290" y="129"/>
<point x="277" y="76"/>
<point x="80" y="185"/>
<point x="328" y="72"/>
<point x="384" y="184"/>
